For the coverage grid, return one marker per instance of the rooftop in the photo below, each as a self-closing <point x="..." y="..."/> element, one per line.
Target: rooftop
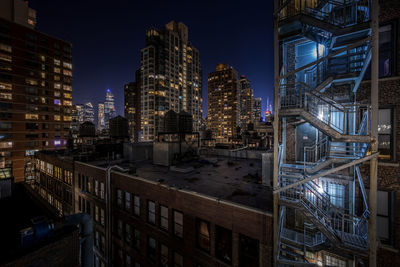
<point x="234" y="180"/>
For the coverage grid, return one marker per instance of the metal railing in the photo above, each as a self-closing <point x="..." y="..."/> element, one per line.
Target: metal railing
<point x="334" y="219"/>
<point x="339" y="13"/>
<point x="316" y="153"/>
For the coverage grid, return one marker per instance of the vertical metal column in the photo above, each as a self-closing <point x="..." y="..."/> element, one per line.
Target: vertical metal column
<point x="276" y="131"/>
<point x="374" y="131"/>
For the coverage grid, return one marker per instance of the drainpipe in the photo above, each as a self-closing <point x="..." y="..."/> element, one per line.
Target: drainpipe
<point x="86" y="236"/>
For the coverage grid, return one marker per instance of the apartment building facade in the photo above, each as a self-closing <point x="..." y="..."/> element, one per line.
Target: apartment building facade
<point x="246" y="102"/>
<point x="36" y="93"/>
<point x="171" y="78"/>
<point x="223" y="103"/>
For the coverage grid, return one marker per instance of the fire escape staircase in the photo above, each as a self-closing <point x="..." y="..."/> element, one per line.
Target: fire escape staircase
<point x="343" y="28"/>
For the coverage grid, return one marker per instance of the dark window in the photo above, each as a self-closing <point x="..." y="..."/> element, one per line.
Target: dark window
<point x="119" y="228"/>
<point x="128" y="234"/>
<point x="164" y="217"/>
<point x="164" y="256"/>
<point x="151" y="249"/>
<point x="203" y="235"/>
<point x="178" y="260"/>
<point x="178" y="223"/>
<point x="151" y="215"/>
<point x="136" y="241"/>
<point x="223" y="244"/>
<point x="248" y="251"/>
<point x="119" y="198"/>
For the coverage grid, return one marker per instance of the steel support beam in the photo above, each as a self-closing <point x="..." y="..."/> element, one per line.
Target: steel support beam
<point x="276" y="133"/>
<point x="322" y="174"/>
<point x="373" y="180"/>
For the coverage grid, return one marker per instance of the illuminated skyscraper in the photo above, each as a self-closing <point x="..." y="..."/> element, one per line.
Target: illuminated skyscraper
<point x="246" y="102"/>
<point x="100" y="117"/>
<point x="88" y="112"/>
<point x="257" y="109"/>
<point x="171" y="78"/>
<point x="80" y="113"/>
<point x="223" y="103"/>
<point x="109" y="108"/>
<point x="36" y="90"/>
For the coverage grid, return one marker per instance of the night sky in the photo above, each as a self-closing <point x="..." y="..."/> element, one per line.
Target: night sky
<point x="107" y="37"/>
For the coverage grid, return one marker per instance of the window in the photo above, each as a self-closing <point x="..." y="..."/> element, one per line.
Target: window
<point x="8" y="125"/>
<point x="333" y="261"/>
<point x="136" y="240"/>
<point x="102" y="217"/>
<point x="337" y="194"/>
<point x="127" y="201"/>
<point x="385" y="215"/>
<point x="151" y="249"/>
<point x="248" y="251"/>
<point x="151" y="212"/>
<point x="164" y="217"/>
<point x="57" y="62"/>
<point x="57" y="117"/>
<point x="164" y="255"/>
<point x="5" y="86"/>
<point x="102" y="190"/>
<point x="223" y="244"/>
<point x="6" y="96"/>
<point x="96" y="188"/>
<point x="67" y="65"/>
<point x="178" y="223"/>
<point x="178" y="260"/>
<point x="128" y="233"/>
<point x="203" y="235"/>
<point x="96" y="213"/>
<point x="6" y="144"/>
<point x="119" y="228"/>
<point x="67" y="103"/>
<point x="136" y="203"/>
<point x="385" y="135"/>
<point x="119" y="198"/>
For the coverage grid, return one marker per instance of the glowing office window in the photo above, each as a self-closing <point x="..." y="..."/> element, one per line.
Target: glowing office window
<point x="29" y="116"/>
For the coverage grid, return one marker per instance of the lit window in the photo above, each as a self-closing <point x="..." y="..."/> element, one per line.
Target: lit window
<point x="68" y="95"/>
<point x="6" y="144"/>
<point x="29" y="116"/>
<point x="67" y="87"/>
<point x="6" y="96"/>
<point x="57" y="102"/>
<point x="57" y="93"/>
<point x="56" y="77"/>
<point x="385" y="135"/>
<point x="203" y="235"/>
<point x="57" y="142"/>
<point x="57" y="85"/>
<point x="333" y="261"/>
<point x="5" y="57"/>
<point x="57" y="62"/>
<point x="57" y="117"/>
<point x="67" y="103"/>
<point x="57" y="70"/>
<point x="5" y="86"/>
<point x="31" y="82"/>
<point x="67" y="65"/>
<point x="67" y="118"/>
<point x="67" y="72"/>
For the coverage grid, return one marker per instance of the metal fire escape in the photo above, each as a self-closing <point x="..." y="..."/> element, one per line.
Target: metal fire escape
<point x="340" y="31"/>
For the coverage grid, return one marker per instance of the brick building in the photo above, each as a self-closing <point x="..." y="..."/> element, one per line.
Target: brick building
<point x="389" y="134"/>
<point x="194" y="214"/>
<point x="35" y="89"/>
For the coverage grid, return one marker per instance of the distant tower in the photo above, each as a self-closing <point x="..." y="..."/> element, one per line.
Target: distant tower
<point x="109" y="108"/>
<point x="100" y="117"/>
<point x="246" y="102"/>
<point x="223" y="103"/>
<point x="257" y="109"/>
<point x="88" y="112"/>
<point x="80" y="113"/>
<point x="132" y="107"/>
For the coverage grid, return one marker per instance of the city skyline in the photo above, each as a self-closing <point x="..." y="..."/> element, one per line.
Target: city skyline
<point x="119" y="59"/>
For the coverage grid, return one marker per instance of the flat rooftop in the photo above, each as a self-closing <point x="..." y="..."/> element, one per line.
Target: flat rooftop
<point x="225" y="178"/>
